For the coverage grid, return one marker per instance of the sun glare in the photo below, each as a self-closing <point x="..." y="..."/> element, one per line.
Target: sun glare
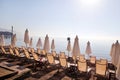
<point x="90" y="2"/>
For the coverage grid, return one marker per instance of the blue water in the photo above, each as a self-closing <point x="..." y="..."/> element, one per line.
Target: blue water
<point x="100" y="48"/>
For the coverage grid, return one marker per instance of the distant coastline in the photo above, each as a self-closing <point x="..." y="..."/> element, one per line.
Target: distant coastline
<point x="6" y="34"/>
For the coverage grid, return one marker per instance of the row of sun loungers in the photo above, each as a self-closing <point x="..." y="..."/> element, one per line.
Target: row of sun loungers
<point x="74" y="67"/>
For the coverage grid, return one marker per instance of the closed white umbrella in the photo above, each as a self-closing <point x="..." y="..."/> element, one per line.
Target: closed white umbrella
<point x="2" y="41"/>
<point x="13" y="40"/>
<point x="69" y="47"/>
<point x="46" y="44"/>
<point x="118" y="65"/>
<point x="26" y="37"/>
<point x="118" y="69"/>
<point x="53" y="45"/>
<point x="88" y="49"/>
<point x="112" y="49"/>
<point x="30" y="44"/>
<point x="76" y="49"/>
<point x="39" y="43"/>
<point x="117" y="53"/>
<point x="112" y="53"/>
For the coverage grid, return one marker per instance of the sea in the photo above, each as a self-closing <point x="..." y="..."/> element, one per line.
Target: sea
<point x="100" y="48"/>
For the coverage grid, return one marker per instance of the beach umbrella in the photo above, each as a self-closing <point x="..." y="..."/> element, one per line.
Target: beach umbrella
<point x="39" y="43"/>
<point x="112" y="49"/>
<point x="115" y="53"/>
<point x="13" y="40"/>
<point x="112" y="53"/>
<point x="2" y="41"/>
<point x="26" y="37"/>
<point x="30" y="43"/>
<point x="118" y="69"/>
<point x="68" y="47"/>
<point x="46" y="44"/>
<point x="53" y="45"/>
<point x="88" y="49"/>
<point x="76" y="49"/>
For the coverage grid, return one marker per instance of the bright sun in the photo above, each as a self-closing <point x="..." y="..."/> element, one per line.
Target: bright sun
<point x="90" y="2"/>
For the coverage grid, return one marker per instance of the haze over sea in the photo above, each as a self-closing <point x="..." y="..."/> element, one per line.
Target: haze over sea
<point x="100" y="48"/>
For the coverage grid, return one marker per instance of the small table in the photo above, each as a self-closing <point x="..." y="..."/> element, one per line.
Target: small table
<point x="112" y="75"/>
<point x="72" y="71"/>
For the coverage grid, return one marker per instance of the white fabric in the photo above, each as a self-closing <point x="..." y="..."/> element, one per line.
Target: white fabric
<point x="88" y="48"/>
<point x="112" y="49"/>
<point x="76" y="49"/>
<point x="117" y="53"/>
<point x="26" y="37"/>
<point x="30" y="44"/>
<point x="13" y="40"/>
<point x="46" y="44"/>
<point x="69" y="46"/>
<point x="118" y="69"/>
<point x="39" y="43"/>
<point x="52" y="45"/>
<point x="112" y="53"/>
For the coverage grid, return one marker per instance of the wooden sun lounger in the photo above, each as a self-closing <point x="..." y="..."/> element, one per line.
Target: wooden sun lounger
<point x="22" y="71"/>
<point x="6" y="73"/>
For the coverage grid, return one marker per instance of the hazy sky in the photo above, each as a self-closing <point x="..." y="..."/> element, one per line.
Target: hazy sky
<point x="91" y="19"/>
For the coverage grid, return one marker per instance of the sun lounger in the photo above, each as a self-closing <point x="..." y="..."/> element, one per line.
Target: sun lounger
<point x="62" y="55"/>
<point x="92" y="61"/>
<point x="55" y="55"/>
<point x="21" y="70"/>
<point x="83" y="70"/>
<point x="101" y="70"/>
<point x="6" y="73"/>
<point x="37" y="62"/>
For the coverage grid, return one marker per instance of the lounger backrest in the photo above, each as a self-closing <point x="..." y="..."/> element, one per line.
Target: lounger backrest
<point x="17" y="52"/>
<point x="63" y="62"/>
<point x="23" y="48"/>
<point x="54" y="53"/>
<point x="43" y="52"/>
<point x="103" y="61"/>
<point x="32" y="50"/>
<point x="74" y="57"/>
<point x="3" y="50"/>
<point x="38" y="51"/>
<point x="62" y="55"/>
<point x="35" y="56"/>
<point x="50" y="58"/>
<point x="81" y="57"/>
<point x="92" y="59"/>
<point x="27" y="54"/>
<point x="82" y="66"/>
<point x="100" y="68"/>
<point x="11" y="51"/>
